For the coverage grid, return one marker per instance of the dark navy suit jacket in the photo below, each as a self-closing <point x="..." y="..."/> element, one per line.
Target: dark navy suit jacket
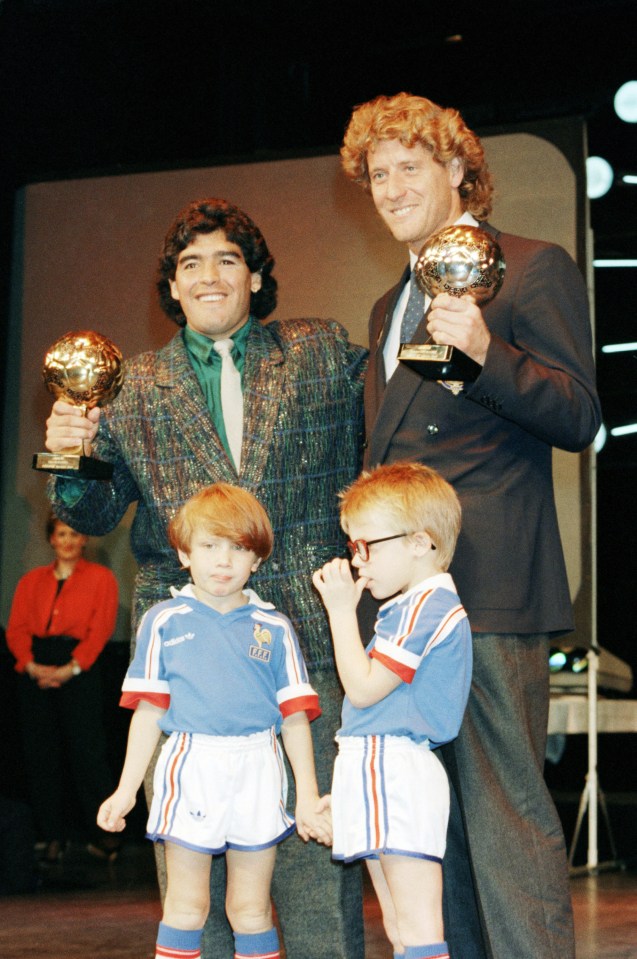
<point x="494" y="440"/>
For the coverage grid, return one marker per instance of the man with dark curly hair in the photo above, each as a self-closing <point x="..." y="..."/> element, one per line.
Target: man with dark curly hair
<point x="492" y="439"/>
<point x="165" y="433"/>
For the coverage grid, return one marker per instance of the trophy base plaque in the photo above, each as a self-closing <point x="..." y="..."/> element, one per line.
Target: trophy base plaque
<point x="72" y="466"/>
<point x="435" y="361"/>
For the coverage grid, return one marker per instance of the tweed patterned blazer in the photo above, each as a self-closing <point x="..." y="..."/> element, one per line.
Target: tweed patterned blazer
<point x="302" y="443"/>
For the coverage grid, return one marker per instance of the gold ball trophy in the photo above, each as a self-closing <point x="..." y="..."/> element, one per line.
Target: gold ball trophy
<point x="458" y="260"/>
<point x="84" y="369"/>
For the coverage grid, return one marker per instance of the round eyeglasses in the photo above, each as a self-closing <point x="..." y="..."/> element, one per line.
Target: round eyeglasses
<point x="360" y="547"/>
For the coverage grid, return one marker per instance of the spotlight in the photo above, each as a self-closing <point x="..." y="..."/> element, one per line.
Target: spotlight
<point x="625" y="261"/>
<point x="599" y="177"/>
<point x="626" y="430"/>
<point x="626" y="102"/>
<point x="620" y="347"/>
<point x="568" y="659"/>
<point x="600" y="440"/>
<point x="569" y="667"/>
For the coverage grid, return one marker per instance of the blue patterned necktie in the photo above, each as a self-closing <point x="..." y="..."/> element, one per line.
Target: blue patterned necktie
<point x="414" y="311"/>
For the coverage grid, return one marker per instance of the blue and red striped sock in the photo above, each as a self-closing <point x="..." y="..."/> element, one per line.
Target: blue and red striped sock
<point x="259" y="945"/>
<point x="178" y="943"/>
<point x="433" y="950"/>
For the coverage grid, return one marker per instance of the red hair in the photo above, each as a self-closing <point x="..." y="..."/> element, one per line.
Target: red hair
<point x="410" y="496"/>
<point x="224" y="510"/>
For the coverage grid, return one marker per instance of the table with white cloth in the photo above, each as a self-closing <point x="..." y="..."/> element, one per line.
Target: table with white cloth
<point x="568" y="713"/>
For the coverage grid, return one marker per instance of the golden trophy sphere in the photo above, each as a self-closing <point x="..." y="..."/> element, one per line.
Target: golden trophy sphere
<point x="84" y="368"/>
<point x="458" y="260"/>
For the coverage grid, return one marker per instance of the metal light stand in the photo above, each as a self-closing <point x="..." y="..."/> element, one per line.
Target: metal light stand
<point x="593" y="796"/>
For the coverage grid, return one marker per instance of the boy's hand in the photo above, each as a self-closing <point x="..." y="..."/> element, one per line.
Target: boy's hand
<point x="337" y="587"/>
<point x="111" y="813"/>
<point x="314" y="819"/>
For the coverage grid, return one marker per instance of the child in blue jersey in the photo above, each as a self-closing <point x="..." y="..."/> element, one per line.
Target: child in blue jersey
<point x="221" y="673"/>
<point x="405" y="693"/>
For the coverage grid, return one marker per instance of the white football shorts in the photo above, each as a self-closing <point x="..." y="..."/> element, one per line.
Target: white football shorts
<point x="390" y="795"/>
<point x="212" y="793"/>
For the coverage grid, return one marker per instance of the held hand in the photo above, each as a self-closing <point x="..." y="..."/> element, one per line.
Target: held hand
<point x="458" y="321"/>
<point x="314" y="820"/>
<point x="61" y="675"/>
<point x="49" y="682"/>
<point x="325" y="805"/>
<point x="67" y="427"/>
<point x="337" y="587"/>
<point x="112" y="812"/>
<point x="44" y="676"/>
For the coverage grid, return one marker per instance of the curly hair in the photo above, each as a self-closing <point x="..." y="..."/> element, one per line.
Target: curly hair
<point x="412" y="120"/>
<point x="207" y="216"/>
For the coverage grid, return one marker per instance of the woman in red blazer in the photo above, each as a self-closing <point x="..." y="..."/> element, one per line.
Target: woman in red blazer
<point x="62" y="616"/>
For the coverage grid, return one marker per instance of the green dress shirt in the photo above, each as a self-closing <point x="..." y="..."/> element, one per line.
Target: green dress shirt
<point x="206" y="364"/>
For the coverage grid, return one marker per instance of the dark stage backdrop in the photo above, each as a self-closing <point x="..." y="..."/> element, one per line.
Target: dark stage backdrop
<point x="86" y="259"/>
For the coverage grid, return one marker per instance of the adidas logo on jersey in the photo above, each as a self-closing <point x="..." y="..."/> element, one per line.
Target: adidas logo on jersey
<point x="179" y="639"/>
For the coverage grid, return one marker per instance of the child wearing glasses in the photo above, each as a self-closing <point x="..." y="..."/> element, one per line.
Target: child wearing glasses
<point x="221" y="673"/>
<point x="405" y="693"/>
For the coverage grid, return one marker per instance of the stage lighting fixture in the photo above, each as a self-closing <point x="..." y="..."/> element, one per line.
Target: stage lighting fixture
<point x="621" y="347"/>
<point x="569" y="666"/>
<point x="599" y="177"/>
<point x="600" y="440"/>
<point x="568" y="660"/>
<point x="626" y="430"/>
<point x="616" y="263"/>
<point x="626" y="102"/>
